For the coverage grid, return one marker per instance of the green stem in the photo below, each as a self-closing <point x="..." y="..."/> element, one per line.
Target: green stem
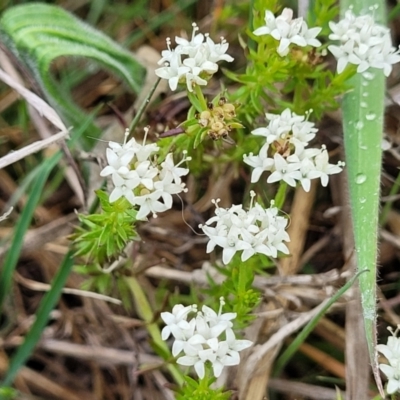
<point x="145" y="312"/>
<point x="143" y="106"/>
<point x="281" y="195"/>
<point x="200" y="97"/>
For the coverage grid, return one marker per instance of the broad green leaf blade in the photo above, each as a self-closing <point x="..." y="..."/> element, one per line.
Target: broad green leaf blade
<point x="38" y="33"/>
<point x="363" y="125"/>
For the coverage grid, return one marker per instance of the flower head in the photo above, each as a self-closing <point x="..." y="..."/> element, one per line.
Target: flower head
<point x="362" y="42"/>
<point x="193" y="61"/>
<point x="285" y="154"/>
<point x="258" y="230"/>
<point x="288" y="31"/>
<point x="140" y="179"/>
<point x="206" y="338"/>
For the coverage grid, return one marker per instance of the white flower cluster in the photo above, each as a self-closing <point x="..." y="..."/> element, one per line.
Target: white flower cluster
<point x="284" y="153"/>
<point x="140" y="179"/>
<point x="363" y="43"/>
<point x="288" y="30"/>
<point x="391" y="351"/>
<point x="206" y="337"/>
<point x="258" y="230"/>
<point x="200" y="62"/>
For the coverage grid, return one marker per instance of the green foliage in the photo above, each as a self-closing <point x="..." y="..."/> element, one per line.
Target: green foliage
<point x="46" y="305"/>
<point x="38" y="33"/>
<point x="201" y="390"/>
<point x="8" y="393"/>
<point x="102" y="237"/>
<point x="35" y="193"/>
<point x="240" y="297"/>
<point x="301" y="76"/>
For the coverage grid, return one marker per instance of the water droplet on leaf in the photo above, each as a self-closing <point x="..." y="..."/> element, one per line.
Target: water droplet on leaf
<point x="361" y="178"/>
<point x="370" y="117"/>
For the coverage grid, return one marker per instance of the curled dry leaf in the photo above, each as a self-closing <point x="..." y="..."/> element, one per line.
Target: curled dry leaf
<point x="44" y="110"/>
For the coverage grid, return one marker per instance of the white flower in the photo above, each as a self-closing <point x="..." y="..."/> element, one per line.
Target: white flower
<point x="172" y="172"/>
<point x="149" y="202"/>
<point x="254" y="231"/>
<point x="173" y="71"/>
<point x="117" y="165"/>
<point x="260" y="163"/>
<point x="362" y="42"/>
<point x="391" y="351"/>
<point x="123" y="188"/>
<point x="393" y="375"/>
<point x="285" y="155"/>
<point x="324" y="168"/>
<point x="192" y="61"/>
<point x="175" y="321"/>
<point x="284" y="171"/>
<point x="207" y="338"/>
<point x="217" y="52"/>
<point x="140" y="179"/>
<point x="288" y="30"/>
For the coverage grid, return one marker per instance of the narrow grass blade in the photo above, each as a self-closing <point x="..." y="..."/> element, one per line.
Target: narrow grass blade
<point x="23" y="223"/>
<point x="301" y="337"/>
<point x="47" y="304"/>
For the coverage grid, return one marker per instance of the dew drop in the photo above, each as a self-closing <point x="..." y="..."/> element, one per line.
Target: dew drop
<point x="363" y="104"/>
<point x="365" y="94"/>
<point x="363" y="147"/>
<point x="359" y="125"/>
<point x="361" y="178"/>
<point x="370" y="117"/>
<point x="368" y="75"/>
<point x="363" y="200"/>
<point x="364" y="83"/>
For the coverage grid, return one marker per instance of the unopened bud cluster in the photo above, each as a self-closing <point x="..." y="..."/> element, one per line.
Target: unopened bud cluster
<point x="219" y="120"/>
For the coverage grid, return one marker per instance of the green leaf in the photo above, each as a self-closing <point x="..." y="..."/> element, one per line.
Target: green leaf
<point x="363" y="125"/>
<point x="38" y="33"/>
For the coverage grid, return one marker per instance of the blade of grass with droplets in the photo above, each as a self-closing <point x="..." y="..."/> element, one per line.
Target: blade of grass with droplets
<point x="363" y="110"/>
